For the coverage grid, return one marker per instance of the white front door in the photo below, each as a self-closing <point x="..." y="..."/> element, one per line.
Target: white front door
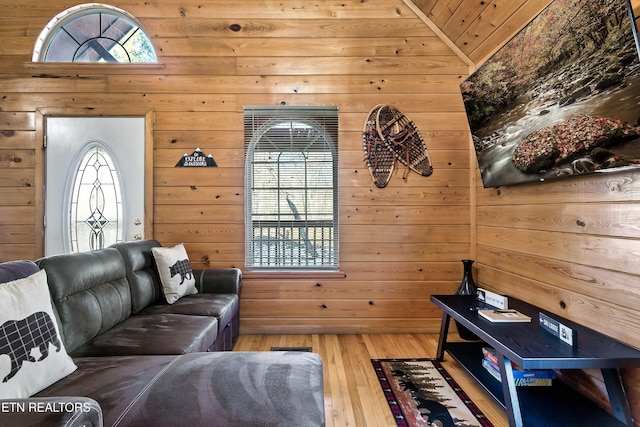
<point x="94" y="182"/>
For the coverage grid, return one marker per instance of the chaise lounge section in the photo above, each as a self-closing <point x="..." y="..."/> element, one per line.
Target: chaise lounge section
<point x="143" y="362"/>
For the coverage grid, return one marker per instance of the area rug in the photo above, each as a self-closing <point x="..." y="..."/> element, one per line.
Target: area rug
<point x="420" y="392"/>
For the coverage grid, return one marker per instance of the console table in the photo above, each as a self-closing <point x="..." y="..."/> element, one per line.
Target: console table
<point x="529" y="346"/>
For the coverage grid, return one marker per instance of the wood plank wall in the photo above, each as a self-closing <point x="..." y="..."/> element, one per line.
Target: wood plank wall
<point x="399" y="245"/>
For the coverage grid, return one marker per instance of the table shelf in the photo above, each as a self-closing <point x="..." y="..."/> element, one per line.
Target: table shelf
<point x="556" y="405"/>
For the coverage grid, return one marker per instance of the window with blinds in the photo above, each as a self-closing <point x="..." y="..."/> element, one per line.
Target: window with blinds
<point x="291" y="206"/>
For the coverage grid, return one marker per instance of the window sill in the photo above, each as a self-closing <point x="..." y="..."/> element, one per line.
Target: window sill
<point x="294" y="274"/>
<point x="66" y="67"/>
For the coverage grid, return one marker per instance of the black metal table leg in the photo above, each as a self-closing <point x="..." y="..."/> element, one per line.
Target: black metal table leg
<point x="617" y="396"/>
<point x="442" y="340"/>
<point x="510" y="392"/>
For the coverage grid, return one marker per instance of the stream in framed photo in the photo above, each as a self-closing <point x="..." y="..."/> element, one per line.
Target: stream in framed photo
<point x="561" y="98"/>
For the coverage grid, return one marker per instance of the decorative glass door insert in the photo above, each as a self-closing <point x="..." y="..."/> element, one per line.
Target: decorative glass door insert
<point x="96" y="203"/>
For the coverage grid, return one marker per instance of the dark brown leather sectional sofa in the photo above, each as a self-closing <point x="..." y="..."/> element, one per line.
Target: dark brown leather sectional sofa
<point x="143" y="362"/>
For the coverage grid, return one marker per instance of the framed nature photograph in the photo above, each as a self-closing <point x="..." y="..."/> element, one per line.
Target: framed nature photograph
<point x="561" y="98"/>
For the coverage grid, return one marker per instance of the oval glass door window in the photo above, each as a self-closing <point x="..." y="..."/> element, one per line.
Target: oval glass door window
<point x="96" y="204"/>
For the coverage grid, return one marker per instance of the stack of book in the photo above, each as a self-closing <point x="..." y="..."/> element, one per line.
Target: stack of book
<point x="523" y="377"/>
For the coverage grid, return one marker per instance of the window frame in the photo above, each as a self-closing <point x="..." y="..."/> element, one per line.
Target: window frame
<point x="294" y="221"/>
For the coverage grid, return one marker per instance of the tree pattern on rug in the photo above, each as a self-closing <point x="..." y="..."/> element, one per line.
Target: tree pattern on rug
<point x="420" y="392"/>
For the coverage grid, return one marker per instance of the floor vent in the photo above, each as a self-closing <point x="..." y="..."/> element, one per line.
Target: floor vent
<point x="307" y="349"/>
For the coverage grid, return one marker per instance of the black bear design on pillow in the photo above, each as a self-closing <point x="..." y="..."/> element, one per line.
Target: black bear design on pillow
<point x="182" y="268"/>
<point x="19" y="337"/>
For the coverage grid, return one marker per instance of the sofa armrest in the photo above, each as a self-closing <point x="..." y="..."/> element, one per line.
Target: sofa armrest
<point x="219" y="280"/>
<point x="63" y="411"/>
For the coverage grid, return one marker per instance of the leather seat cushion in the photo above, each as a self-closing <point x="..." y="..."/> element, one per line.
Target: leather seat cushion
<point x="221" y="306"/>
<point x="153" y="335"/>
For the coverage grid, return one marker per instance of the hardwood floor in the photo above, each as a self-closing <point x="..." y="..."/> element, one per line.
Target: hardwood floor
<point x="353" y="396"/>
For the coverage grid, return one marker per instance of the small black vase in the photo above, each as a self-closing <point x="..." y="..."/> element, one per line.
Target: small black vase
<point x="467" y="287"/>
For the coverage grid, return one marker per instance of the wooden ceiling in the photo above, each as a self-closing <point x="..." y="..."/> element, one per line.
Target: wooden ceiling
<point x="479" y="27"/>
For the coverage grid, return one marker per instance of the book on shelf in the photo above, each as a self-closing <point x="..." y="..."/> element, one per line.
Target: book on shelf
<point x="523" y="377"/>
<point x="520" y="382"/>
<point x="518" y="372"/>
<point x="490" y="354"/>
<point x="503" y="316"/>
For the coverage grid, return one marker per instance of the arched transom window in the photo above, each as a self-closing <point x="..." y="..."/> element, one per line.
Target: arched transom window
<point x="94" y="33"/>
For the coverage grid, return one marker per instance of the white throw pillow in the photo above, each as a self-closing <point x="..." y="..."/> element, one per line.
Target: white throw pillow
<point x="32" y="355"/>
<point x="175" y="272"/>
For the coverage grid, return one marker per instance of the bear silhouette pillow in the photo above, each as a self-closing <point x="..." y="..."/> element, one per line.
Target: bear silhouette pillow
<point x="175" y="272"/>
<point x="32" y="355"/>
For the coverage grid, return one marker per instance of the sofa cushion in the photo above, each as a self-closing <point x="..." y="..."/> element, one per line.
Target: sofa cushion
<point x="225" y="389"/>
<point x="13" y="270"/>
<point x="153" y="335"/>
<point x="141" y="272"/>
<point x="220" y="306"/>
<point x="90" y="293"/>
<point x="29" y="338"/>
<point x="219" y="280"/>
<point x="175" y="272"/>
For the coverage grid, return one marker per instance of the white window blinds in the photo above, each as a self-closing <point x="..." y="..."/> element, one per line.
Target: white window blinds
<point x="291" y="206"/>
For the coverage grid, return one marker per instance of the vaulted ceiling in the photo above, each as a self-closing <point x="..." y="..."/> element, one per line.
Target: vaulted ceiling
<point x="478" y="27"/>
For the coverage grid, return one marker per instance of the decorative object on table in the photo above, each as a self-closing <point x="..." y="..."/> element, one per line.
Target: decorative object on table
<point x="389" y="136"/>
<point x="196" y="159"/>
<point x="492" y="299"/>
<point x="467" y="287"/>
<point x="403" y="137"/>
<point x="420" y="392"/>
<point x="557" y="329"/>
<point x="379" y="158"/>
